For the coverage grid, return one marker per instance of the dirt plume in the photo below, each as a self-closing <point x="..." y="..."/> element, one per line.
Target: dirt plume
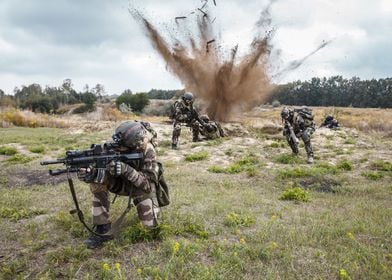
<point x="225" y="85"/>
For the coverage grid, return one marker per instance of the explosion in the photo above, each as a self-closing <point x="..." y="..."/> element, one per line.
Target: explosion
<point x="226" y="84"/>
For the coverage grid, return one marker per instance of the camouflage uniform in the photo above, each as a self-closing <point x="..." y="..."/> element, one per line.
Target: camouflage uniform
<point x="303" y="128"/>
<point x="330" y="122"/>
<point x="210" y="129"/>
<point x="138" y="180"/>
<point x="182" y="114"/>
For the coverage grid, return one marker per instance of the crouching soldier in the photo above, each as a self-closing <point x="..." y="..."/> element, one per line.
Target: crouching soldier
<point x="184" y="113"/>
<point x="138" y="179"/>
<point x="330" y="122"/>
<point x="210" y="129"/>
<point x="298" y="123"/>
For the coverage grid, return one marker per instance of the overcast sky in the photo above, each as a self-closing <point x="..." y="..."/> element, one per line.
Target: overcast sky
<point x="97" y="41"/>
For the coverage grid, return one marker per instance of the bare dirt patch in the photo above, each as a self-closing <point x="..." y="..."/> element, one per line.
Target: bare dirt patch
<point x="28" y="177"/>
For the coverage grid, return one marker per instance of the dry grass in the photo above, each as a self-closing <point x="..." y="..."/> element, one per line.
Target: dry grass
<point x="10" y="117"/>
<point x="363" y="119"/>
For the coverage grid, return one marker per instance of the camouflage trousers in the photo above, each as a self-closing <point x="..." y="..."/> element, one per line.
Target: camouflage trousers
<point x="305" y="136"/>
<point x="177" y="132"/>
<point x="147" y="208"/>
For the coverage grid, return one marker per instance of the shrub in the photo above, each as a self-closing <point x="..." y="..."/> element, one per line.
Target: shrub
<point x="373" y="175"/>
<point x="237" y="219"/>
<point x="37" y="149"/>
<point x="381" y="165"/>
<point x="137" y="102"/>
<point x="8" y="151"/>
<point x="295" y="193"/>
<point x="344" y="165"/>
<point x="197" y="156"/>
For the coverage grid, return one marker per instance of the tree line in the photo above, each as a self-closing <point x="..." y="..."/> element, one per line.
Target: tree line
<point x="333" y="91"/>
<point x="337" y="91"/>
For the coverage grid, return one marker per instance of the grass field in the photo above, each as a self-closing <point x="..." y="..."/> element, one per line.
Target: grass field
<point x="242" y="208"/>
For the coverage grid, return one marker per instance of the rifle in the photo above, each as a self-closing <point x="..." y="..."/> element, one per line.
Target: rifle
<point x="97" y="156"/>
<point x="195" y="115"/>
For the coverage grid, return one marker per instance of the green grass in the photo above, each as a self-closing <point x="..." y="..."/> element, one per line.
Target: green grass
<point x="218" y="226"/>
<point x="381" y="165"/>
<point x="19" y="159"/>
<point x="37" y="149"/>
<point x="247" y="164"/>
<point x="289" y="159"/>
<point x="8" y="151"/>
<point x="15" y="214"/>
<point x="373" y="175"/>
<point x="202" y="155"/>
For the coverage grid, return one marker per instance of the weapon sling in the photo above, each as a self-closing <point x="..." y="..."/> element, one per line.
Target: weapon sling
<point x="115" y="226"/>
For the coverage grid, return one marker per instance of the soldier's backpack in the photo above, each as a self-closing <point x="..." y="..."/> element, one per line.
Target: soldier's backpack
<point x="172" y="112"/>
<point x="307" y="114"/>
<point x="161" y="186"/>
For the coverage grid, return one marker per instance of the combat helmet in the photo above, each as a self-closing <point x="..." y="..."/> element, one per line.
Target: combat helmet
<point x="130" y="134"/>
<point x="205" y="118"/>
<point x="285" y="113"/>
<point x="329" y="118"/>
<point x="187" y="97"/>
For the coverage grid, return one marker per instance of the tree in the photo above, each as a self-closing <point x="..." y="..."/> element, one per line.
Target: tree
<point x="137" y="102"/>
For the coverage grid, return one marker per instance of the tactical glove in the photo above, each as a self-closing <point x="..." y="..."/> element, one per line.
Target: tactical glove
<point x="118" y="168"/>
<point x="92" y="175"/>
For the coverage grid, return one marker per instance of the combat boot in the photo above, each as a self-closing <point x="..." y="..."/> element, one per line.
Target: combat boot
<point x="95" y="241"/>
<point x="310" y="159"/>
<point x="174" y="146"/>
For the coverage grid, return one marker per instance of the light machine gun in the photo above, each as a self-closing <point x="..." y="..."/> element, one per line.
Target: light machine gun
<point x="98" y="157"/>
<point x="291" y="137"/>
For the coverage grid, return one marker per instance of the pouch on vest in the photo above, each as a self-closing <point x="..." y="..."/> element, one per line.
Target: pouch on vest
<point x="162" y="189"/>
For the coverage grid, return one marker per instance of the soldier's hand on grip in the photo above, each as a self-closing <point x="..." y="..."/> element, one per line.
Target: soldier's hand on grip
<point x="118" y="168"/>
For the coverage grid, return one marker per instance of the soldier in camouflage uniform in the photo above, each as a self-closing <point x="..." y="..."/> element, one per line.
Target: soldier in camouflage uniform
<point x="301" y="121"/>
<point x="138" y="181"/>
<point x="330" y="122"/>
<point x="184" y="113"/>
<point x="210" y="129"/>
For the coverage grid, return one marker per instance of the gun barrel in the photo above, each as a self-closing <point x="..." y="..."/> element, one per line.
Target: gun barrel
<point x="57" y="161"/>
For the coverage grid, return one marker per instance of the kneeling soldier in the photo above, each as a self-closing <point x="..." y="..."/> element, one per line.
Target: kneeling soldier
<point x="138" y="179"/>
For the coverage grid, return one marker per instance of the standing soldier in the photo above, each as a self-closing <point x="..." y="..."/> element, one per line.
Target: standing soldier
<point x="184" y="113"/>
<point x="138" y="179"/>
<point x="298" y="123"/>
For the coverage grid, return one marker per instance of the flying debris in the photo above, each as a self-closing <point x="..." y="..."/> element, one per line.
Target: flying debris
<point x="177" y="18"/>
<point x="214" y="2"/>
<point x="204" y="13"/>
<point x="208" y="43"/>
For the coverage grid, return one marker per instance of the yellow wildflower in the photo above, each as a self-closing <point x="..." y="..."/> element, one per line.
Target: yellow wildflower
<point x="139" y="271"/>
<point x="105" y="266"/>
<point x="176" y="247"/>
<point x="117" y="266"/>
<point x="273" y="245"/>
<point x="242" y="241"/>
<point x="235" y="254"/>
<point x="273" y="217"/>
<point x="350" y="235"/>
<point x="343" y="275"/>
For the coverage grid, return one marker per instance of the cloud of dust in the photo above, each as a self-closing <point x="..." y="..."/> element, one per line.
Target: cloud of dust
<point x="226" y="85"/>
